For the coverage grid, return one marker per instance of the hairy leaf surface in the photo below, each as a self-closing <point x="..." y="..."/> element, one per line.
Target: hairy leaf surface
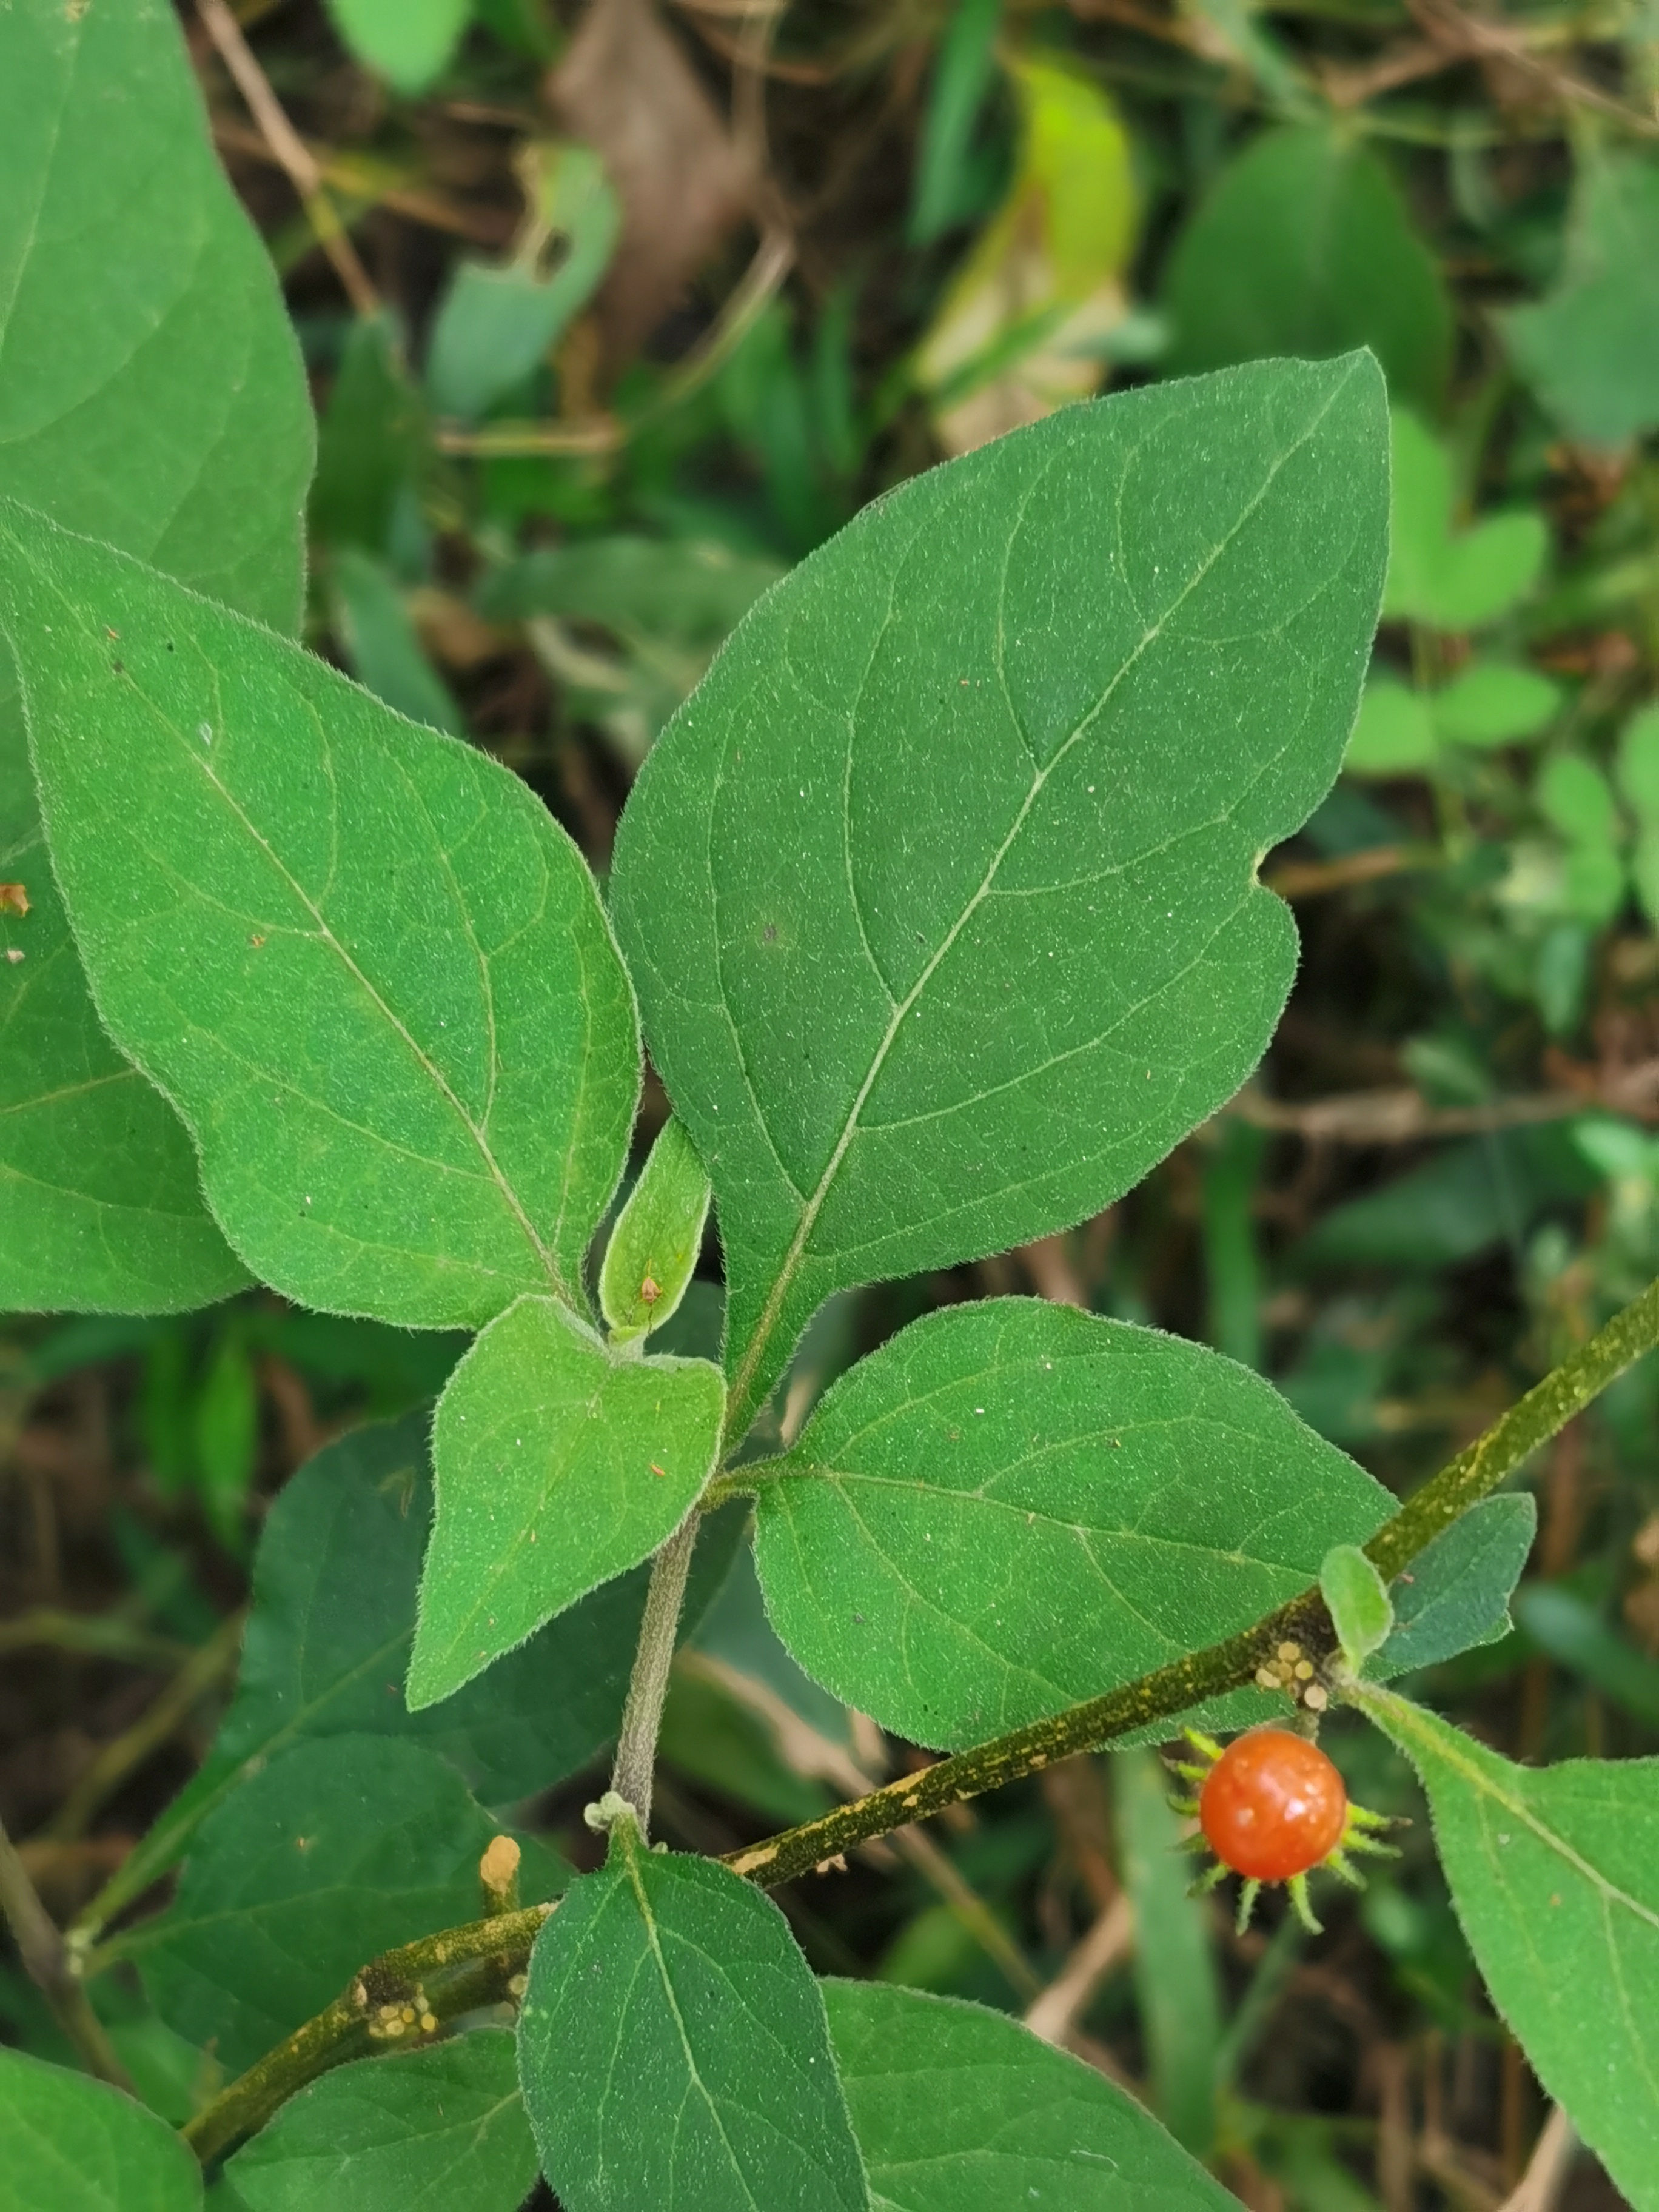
<point x="961" y="2110"/>
<point x="941" y="892"/>
<point x="362" y="959"/>
<point x="1012" y="1506"/>
<point x="559" y="1463"/>
<point x="673" y="2050"/>
<point x="1554" y="1877"/>
<point x="76" y="2145"/>
<point x="151" y="393"/>
<point x="1459" y="1593"/>
<point x="436" y="2130"/>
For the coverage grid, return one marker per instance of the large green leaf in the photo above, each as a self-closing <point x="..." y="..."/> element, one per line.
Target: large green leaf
<point x="559" y="1464"/>
<point x="68" y="2144"/>
<point x="1012" y="1506"/>
<point x="1591" y="350"/>
<point x="1556" y="1882"/>
<point x="332" y="1853"/>
<point x="673" y="2049"/>
<point x="1303" y="245"/>
<point x="941" y="892"/>
<point x="328" y="1639"/>
<point x="961" y="2110"/>
<point x="435" y="2130"/>
<point x="362" y="959"/>
<point x="151" y="393"/>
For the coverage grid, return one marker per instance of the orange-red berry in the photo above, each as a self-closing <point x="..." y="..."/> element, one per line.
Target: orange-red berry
<point x="1272" y="1805"/>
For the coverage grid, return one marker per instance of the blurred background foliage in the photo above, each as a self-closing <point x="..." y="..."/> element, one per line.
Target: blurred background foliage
<point x="613" y="313"/>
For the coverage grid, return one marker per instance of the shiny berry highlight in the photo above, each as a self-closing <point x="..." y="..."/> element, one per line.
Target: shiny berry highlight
<point x="1272" y="1805"/>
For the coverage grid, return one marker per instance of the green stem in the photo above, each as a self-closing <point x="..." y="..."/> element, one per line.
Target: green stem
<point x="342" y="2031"/>
<point x="641" y="1720"/>
<point x="47" y="1958"/>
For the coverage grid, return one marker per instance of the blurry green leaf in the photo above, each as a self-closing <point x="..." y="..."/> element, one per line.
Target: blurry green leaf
<point x="1556" y="1882"/>
<point x="960" y="78"/>
<point x="958" y="2109"/>
<point x="1494" y="703"/>
<point x="673" y="2048"/>
<point x="1591" y="350"/>
<point x="653" y="1248"/>
<point x="399" y="1031"/>
<point x="559" y="1463"/>
<point x="1020" y="331"/>
<point x="1012" y="1506"/>
<point x="227" y="1435"/>
<point x="1449" y="578"/>
<point x="1561" y="973"/>
<point x="372" y="441"/>
<point x="1456" y="1595"/>
<point x="1574" y="1635"/>
<point x="68" y="2144"/>
<point x="151" y="393"/>
<point x="1577" y="799"/>
<point x="1069" y="663"/>
<point x="1358" y="1601"/>
<point x="1594" y="883"/>
<point x="400" y="2133"/>
<point x="1395" y="733"/>
<point x="1175" y="1964"/>
<point x="708" y="1734"/>
<point x="328" y="1637"/>
<point x="1638" y="766"/>
<point x="1644" y="871"/>
<point x="1232" y="1264"/>
<point x="382" y="646"/>
<point x="335" y="1851"/>
<point x="408" y="42"/>
<point x="496" y="325"/>
<point x="1303" y="245"/>
<point x="1463" y="1201"/>
<point x="690" y="590"/>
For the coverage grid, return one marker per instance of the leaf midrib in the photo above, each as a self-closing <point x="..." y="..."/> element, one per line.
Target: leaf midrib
<point x="744" y="1373"/>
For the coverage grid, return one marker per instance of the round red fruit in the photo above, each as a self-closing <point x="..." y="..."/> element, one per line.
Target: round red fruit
<point x="1272" y="1805"/>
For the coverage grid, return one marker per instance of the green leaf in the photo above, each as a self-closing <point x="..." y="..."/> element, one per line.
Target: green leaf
<point x="673" y="2048"/>
<point x="332" y="1853"/>
<point x="1494" y="704"/>
<point x="381" y="644"/>
<point x="372" y="440"/>
<point x="1575" y="797"/>
<point x="1591" y="350"/>
<point x="68" y="2144"/>
<point x="1456" y="1595"/>
<point x="1638" y="766"/>
<point x="1304" y="246"/>
<point x="1012" y="1506"/>
<point x="363" y="961"/>
<point x="1357" y="1598"/>
<point x="1574" y="1635"/>
<point x="940" y="892"/>
<point x="1556" y="1882"/>
<point x="1174" y="1964"/>
<point x="686" y="591"/>
<point x="332" y="1619"/>
<point x="958" y="2109"/>
<point x="1395" y="734"/>
<point x="559" y="1464"/>
<point x="151" y="393"/>
<point x="413" y="2132"/>
<point x="408" y="42"/>
<point x="653" y="1248"/>
<point x="1452" y="580"/>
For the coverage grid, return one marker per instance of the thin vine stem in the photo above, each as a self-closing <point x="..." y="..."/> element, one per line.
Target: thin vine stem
<point x="647" y="1687"/>
<point x="462" y="1967"/>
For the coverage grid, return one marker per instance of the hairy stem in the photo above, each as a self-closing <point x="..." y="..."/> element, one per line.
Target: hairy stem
<point x="342" y="2033"/>
<point x="46" y="1956"/>
<point x="641" y="1720"/>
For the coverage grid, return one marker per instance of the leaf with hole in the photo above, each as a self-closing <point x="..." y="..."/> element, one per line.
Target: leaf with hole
<point x="151" y="393"/>
<point x="362" y="959"/>
<point x="673" y="2049"/>
<point x="1095" y="670"/>
<point x="1553" y="1875"/>
<point x="1012" y="1506"/>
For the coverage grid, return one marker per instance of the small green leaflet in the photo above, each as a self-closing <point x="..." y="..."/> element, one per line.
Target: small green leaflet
<point x="1447" y="577"/>
<point x="659" y="1234"/>
<point x="1097" y="669"/>
<point x="1012" y="1506"/>
<point x="68" y="2144"/>
<point x="559" y="1463"/>
<point x="1457" y="1593"/>
<point x="361" y="959"/>
<point x="409" y="42"/>
<point x="1555" y="1880"/>
<point x="435" y="2130"/>
<point x="333" y="1852"/>
<point x="961" y="2110"/>
<point x="151" y="393"/>
<point x="1357" y="1598"/>
<point x="673" y="2050"/>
